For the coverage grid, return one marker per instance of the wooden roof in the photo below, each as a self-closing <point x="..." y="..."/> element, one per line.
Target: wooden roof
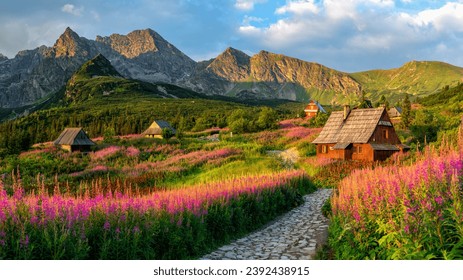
<point x="74" y="136"/>
<point x="320" y="107"/>
<point x="395" y="111"/>
<point x="357" y="128"/>
<point x="156" y="128"/>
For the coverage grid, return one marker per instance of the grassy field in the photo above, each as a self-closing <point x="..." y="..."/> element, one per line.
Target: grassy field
<point x="120" y="200"/>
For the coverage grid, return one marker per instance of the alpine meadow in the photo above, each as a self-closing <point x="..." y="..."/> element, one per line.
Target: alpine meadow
<point x="125" y="148"/>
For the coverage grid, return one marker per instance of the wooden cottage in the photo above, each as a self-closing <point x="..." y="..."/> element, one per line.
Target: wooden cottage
<point x="395" y="112"/>
<point x="313" y="108"/>
<point x="74" y="139"/>
<point x="360" y="134"/>
<point x="155" y="129"/>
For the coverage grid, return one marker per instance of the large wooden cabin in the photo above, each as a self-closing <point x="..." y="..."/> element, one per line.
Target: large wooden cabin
<point x="360" y="134"/>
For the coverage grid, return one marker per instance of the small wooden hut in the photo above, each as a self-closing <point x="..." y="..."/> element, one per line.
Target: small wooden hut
<point x="74" y="139"/>
<point x="313" y="108"/>
<point x="360" y="134"/>
<point x="155" y="129"/>
<point x="395" y="112"/>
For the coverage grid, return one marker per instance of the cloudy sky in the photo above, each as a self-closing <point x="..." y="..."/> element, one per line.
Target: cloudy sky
<point x="348" y="35"/>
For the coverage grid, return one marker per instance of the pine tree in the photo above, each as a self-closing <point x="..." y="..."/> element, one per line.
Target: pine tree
<point x="406" y="111"/>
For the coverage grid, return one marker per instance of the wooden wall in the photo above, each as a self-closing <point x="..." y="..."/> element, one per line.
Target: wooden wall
<point x="378" y="135"/>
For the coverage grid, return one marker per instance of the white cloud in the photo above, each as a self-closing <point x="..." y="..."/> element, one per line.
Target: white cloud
<point x="19" y="35"/>
<point x="71" y="9"/>
<point x="448" y="18"/>
<point x="248" y="20"/>
<point x="361" y="31"/>
<point x="247" y="5"/>
<point x="298" y="7"/>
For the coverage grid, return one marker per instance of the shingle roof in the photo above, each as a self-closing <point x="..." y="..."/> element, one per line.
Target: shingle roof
<point x="357" y="128"/>
<point x="156" y="128"/>
<point x="74" y="136"/>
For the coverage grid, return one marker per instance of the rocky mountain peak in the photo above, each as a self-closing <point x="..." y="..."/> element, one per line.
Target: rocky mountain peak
<point x="2" y="57"/>
<point x="133" y="44"/>
<point x="232" y="64"/>
<point x="70" y="44"/>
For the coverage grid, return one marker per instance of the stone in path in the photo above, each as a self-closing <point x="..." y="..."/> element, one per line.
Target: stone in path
<point x="294" y="236"/>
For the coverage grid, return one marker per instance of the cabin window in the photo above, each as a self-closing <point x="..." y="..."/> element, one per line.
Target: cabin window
<point x="324" y="149"/>
<point x="358" y="150"/>
<point x="385" y="134"/>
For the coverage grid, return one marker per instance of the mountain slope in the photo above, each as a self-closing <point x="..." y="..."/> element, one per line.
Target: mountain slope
<point x="268" y="75"/>
<point x="415" y="77"/>
<point x="98" y="79"/>
<point x="32" y="76"/>
<point x="35" y="74"/>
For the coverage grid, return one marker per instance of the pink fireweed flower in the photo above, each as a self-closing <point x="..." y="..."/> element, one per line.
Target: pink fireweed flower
<point x="407" y="229"/>
<point x="136" y="230"/>
<point x="106" y="152"/>
<point x="106" y="225"/>
<point x="132" y="152"/>
<point x="439" y="200"/>
<point x="99" y="168"/>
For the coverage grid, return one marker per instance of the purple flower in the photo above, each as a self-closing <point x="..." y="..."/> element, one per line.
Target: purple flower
<point x="107" y="225"/>
<point x="439" y="200"/>
<point x="407" y="229"/>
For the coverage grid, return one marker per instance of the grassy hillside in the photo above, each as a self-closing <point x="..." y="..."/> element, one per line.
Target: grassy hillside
<point x="415" y="77"/>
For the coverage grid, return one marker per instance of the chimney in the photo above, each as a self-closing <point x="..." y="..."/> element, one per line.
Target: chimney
<point x="346" y="111"/>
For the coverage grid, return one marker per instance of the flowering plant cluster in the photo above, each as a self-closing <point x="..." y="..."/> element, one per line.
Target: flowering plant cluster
<point x="404" y="212"/>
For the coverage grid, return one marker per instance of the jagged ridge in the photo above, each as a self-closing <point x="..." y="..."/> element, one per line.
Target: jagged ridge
<point x="144" y="55"/>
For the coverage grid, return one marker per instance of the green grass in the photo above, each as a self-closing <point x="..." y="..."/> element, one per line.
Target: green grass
<point x="238" y="168"/>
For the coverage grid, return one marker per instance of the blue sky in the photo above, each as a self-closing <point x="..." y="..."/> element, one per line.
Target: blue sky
<point x="348" y="35"/>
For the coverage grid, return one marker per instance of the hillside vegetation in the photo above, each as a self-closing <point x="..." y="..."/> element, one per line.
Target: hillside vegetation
<point x="416" y="78"/>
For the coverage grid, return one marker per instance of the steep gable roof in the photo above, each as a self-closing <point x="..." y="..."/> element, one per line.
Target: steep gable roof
<point x="357" y="128"/>
<point x="320" y="107"/>
<point x="74" y="136"/>
<point x="156" y="128"/>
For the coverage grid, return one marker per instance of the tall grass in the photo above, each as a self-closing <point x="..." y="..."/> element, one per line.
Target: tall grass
<point x="107" y="223"/>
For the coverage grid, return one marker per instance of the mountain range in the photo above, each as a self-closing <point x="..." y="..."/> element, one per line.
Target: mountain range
<point x="34" y="75"/>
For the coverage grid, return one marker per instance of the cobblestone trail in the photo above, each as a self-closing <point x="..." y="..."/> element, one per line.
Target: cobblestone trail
<point x="294" y="236"/>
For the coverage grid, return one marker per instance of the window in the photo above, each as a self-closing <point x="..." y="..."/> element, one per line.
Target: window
<point x="358" y="150"/>
<point x="324" y="149"/>
<point x="385" y="134"/>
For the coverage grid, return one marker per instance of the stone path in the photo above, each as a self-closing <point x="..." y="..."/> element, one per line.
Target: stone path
<point x="294" y="236"/>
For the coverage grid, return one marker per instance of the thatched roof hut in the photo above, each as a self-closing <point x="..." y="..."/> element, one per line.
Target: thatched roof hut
<point x="74" y="139"/>
<point x="155" y="129"/>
